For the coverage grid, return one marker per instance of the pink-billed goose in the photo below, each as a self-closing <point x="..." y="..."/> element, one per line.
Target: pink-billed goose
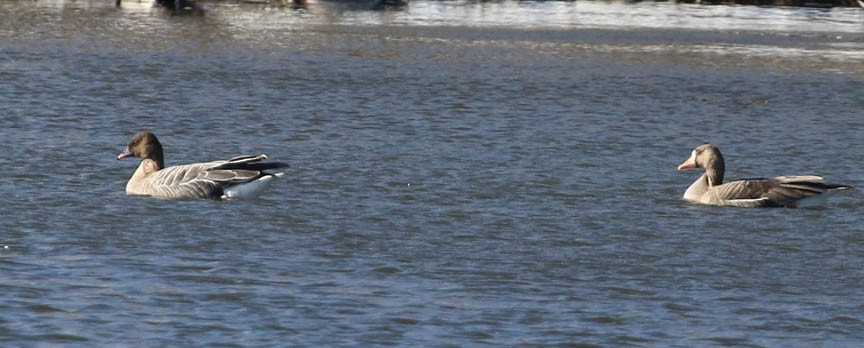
<point x="781" y="191"/>
<point x="239" y="177"/>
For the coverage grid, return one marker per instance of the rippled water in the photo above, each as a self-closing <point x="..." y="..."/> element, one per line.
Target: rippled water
<point x="463" y="174"/>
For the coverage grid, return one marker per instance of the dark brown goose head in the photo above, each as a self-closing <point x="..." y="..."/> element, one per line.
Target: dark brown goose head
<point x="144" y="145"/>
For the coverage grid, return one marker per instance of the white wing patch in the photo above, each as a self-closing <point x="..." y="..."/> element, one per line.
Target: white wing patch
<point x="748" y="202"/>
<point x="797" y="178"/>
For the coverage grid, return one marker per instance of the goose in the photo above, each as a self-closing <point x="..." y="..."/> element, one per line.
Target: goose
<point x="780" y="191"/>
<point x="238" y="177"/>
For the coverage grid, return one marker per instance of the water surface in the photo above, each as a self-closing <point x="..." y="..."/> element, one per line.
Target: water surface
<point x="463" y="174"/>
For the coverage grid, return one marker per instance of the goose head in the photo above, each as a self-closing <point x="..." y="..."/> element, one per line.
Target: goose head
<point x="144" y="145"/>
<point x="709" y="158"/>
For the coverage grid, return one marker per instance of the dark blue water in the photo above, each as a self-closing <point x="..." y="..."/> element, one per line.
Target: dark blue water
<point x="457" y="179"/>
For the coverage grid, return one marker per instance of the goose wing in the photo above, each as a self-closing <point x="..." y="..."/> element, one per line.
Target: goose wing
<point x="210" y="179"/>
<point x="768" y="192"/>
<point x="186" y="181"/>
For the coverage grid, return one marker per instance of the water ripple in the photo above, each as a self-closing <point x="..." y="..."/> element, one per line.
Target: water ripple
<point x="454" y="179"/>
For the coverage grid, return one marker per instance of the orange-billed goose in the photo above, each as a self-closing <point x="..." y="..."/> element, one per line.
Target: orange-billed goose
<point x="781" y="191"/>
<point x="239" y="177"/>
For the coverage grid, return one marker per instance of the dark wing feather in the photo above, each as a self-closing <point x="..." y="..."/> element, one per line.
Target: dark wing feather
<point x="249" y="163"/>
